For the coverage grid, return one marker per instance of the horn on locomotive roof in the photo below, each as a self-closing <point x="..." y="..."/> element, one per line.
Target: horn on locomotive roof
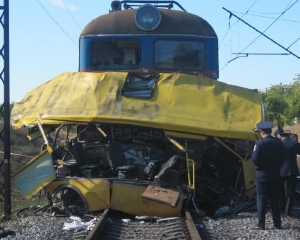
<point x="117" y="5"/>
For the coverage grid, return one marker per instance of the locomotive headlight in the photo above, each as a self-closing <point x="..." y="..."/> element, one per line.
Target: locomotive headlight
<point x="147" y="17"/>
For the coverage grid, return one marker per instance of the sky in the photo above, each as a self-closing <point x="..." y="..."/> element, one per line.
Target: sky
<point x="44" y="37"/>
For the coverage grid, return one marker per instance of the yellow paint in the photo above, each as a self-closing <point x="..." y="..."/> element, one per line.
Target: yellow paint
<point x="33" y="136"/>
<point x="181" y="103"/>
<point x="95" y="190"/>
<point x="184" y="135"/>
<point x="249" y="177"/>
<point x="126" y="196"/>
<point x="35" y="174"/>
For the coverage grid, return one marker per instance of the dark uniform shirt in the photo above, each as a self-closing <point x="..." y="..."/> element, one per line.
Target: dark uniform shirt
<point x="289" y="166"/>
<point x="268" y="157"/>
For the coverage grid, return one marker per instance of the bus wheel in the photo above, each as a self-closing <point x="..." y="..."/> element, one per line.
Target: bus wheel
<point x="69" y="198"/>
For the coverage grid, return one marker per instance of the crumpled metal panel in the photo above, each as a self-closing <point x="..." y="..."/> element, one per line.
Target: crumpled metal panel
<point x="35" y="175"/>
<point x="96" y="191"/>
<point x="181" y="103"/>
<point x="169" y="196"/>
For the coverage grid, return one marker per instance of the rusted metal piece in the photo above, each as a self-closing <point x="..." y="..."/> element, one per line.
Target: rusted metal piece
<point x="191" y="226"/>
<point x="168" y="196"/>
<point x="79" y="235"/>
<point x="40" y="209"/>
<point x="93" y="235"/>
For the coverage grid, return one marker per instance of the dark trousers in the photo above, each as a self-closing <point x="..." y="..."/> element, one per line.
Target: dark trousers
<point x="286" y="201"/>
<point x="267" y="190"/>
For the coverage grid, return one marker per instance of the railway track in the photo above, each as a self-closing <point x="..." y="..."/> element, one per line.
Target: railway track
<point x="113" y="226"/>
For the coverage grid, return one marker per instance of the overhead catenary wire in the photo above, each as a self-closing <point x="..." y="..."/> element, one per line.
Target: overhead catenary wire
<point x="263" y="35"/>
<point x="71" y="15"/>
<point x="246" y="54"/>
<point x="236" y="22"/>
<point x="231" y="27"/>
<point x="263" y="53"/>
<point x="57" y="23"/>
<point x="293" y="43"/>
<point x="261" y="16"/>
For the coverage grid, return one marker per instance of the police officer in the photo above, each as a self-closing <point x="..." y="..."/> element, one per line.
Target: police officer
<point x="267" y="157"/>
<point x="288" y="172"/>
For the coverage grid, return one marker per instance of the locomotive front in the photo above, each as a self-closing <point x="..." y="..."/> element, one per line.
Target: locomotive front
<point x="149" y="39"/>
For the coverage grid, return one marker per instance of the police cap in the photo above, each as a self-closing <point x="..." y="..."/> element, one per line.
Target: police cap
<point x="265" y="125"/>
<point x="284" y="134"/>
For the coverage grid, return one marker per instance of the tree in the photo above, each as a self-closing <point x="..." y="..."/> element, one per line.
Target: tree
<point x="284" y="100"/>
<point x="274" y="102"/>
<point x="293" y="100"/>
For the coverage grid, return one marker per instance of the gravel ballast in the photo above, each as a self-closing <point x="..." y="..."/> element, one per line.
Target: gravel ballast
<point x="39" y="227"/>
<point x="240" y="226"/>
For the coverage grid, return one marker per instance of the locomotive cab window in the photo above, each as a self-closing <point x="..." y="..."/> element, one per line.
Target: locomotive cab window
<point x="115" y="54"/>
<point x="179" y="55"/>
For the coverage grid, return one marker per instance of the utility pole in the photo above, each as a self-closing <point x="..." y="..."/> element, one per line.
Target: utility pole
<point x="5" y="186"/>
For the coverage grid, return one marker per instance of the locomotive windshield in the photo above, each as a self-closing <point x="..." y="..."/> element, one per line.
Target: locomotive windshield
<point x="115" y="54"/>
<point x="167" y="54"/>
<point x="179" y="54"/>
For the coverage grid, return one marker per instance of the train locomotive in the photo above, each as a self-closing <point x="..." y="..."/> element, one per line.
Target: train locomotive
<point x="144" y="127"/>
